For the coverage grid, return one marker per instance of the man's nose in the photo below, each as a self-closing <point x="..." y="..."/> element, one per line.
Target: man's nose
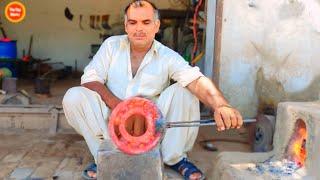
<point x="139" y="27"/>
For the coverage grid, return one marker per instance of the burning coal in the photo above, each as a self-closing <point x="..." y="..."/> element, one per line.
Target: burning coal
<point x="296" y="149"/>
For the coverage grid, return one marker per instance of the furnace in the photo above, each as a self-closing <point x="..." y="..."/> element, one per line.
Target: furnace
<point x="295" y="153"/>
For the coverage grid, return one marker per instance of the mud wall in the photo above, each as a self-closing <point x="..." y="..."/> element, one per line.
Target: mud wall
<point x="270" y="52"/>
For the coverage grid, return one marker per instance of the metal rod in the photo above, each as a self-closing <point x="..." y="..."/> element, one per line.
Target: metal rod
<point x="197" y="123"/>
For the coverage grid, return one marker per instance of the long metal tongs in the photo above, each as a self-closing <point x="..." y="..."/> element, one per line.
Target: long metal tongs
<point x="197" y="123"/>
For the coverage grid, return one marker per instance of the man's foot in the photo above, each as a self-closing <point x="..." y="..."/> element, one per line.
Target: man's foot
<point x="188" y="170"/>
<point x="90" y="173"/>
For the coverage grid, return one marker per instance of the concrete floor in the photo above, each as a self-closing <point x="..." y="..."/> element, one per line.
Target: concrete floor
<point x="36" y="154"/>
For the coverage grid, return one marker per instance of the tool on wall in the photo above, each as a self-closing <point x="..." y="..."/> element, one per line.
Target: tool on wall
<point x="92" y="21"/>
<point x="68" y="14"/>
<point x="105" y="21"/>
<point x="3" y="31"/>
<point x="27" y="57"/>
<point x="80" y="22"/>
<point x="97" y="25"/>
<point x="4" y="35"/>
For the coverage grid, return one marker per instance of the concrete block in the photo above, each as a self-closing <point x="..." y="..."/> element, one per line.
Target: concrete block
<point x="35" y="117"/>
<point x="113" y="164"/>
<point x="237" y="165"/>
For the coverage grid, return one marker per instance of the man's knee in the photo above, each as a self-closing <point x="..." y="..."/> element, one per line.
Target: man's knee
<point x="72" y="96"/>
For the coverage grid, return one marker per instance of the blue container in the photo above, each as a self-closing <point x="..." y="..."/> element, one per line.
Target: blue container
<point x="8" y="49"/>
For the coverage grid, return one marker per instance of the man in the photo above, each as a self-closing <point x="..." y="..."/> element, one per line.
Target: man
<point x="137" y="65"/>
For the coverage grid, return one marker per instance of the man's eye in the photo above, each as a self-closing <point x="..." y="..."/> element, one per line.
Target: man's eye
<point x="132" y="22"/>
<point x="146" y="22"/>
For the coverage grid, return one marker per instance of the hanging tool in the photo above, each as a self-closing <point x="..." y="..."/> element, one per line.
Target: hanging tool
<point x="92" y="21"/>
<point x="4" y="35"/>
<point x="97" y="25"/>
<point x="80" y="21"/>
<point x="27" y="57"/>
<point x="105" y="21"/>
<point x="68" y="14"/>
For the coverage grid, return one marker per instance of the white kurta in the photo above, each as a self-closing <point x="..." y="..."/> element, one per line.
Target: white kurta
<point x="111" y="65"/>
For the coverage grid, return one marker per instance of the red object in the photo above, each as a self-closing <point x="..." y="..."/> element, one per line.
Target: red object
<point x="26" y="58"/>
<point x="123" y="140"/>
<point x="5" y="39"/>
<point x="194" y="30"/>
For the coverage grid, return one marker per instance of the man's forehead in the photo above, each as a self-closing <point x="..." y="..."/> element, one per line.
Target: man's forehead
<point x="140" y="13"/>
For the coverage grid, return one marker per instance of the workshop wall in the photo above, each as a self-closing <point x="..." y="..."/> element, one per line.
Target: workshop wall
<point x="269" y="53"/>
<point x="62" y="40"/>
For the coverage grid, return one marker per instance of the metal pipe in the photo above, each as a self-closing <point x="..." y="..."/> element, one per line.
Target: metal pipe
<point x="197" y="123"/>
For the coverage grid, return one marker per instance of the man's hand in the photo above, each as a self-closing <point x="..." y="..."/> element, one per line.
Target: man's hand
<point x="227" y="117"/>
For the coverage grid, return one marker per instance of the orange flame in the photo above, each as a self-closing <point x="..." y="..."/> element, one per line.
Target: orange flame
<point x="298" y="146"/>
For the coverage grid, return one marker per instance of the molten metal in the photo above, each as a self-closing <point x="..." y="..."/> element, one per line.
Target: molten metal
<point x="120" y="117"/>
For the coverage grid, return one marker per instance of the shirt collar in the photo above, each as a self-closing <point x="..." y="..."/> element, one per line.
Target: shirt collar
<point x="125" y="43"/>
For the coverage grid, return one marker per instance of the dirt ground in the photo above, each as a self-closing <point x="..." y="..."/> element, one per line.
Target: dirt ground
<point x="38" y="155"/>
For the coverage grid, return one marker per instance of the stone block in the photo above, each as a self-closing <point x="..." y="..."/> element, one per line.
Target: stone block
<point x="114" y="164"/>
<point x="21" y="173"/>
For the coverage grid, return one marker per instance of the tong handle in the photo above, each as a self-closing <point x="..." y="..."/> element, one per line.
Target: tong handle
<point x="197" y="123"/>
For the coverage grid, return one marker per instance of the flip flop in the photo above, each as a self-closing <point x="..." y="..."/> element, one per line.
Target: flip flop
<point x="90" y="167"/>
<point x="186" y="168"/>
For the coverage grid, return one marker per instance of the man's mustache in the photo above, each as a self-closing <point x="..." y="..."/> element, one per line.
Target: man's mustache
<point x="139" y="34"/>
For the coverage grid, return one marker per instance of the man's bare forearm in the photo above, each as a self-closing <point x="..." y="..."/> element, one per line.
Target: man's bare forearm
<point x="106" y="95"/>
<point x="207" y="92"/>
<point x="225" y="116"/>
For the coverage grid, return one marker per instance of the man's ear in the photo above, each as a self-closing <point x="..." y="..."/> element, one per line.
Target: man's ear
<point x="157" y="25"/>
<point x="125" y="26"/>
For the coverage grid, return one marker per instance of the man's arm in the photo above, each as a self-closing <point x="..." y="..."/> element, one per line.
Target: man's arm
<point x="224" y="115"/>
<point x="106" y="95"/>
<point x="135" y="125"/>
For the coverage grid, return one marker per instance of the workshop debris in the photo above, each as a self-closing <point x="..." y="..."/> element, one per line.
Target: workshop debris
<point x="284" y="167"/>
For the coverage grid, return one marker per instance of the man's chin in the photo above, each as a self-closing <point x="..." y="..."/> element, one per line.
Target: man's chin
<point x="140" y="44"/>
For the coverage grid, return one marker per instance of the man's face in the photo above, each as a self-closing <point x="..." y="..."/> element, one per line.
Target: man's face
<point x="141" y="26"/>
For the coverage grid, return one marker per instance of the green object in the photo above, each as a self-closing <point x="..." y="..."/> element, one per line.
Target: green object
<point x="187" y="57"/>
<point x="5" y="72"/>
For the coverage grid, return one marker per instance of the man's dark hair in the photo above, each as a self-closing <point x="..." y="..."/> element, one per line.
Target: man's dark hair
<point x="138" y="3"/>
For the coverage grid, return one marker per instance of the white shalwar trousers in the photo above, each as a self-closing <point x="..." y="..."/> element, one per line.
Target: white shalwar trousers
<point x="88" y="115"/>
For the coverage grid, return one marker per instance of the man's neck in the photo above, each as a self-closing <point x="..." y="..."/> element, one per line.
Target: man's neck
<point x="140" y="50"/>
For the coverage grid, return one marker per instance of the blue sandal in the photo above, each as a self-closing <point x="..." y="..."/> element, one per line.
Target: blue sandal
<point x="90" y="167"/>
<point x="186" y="168"/>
